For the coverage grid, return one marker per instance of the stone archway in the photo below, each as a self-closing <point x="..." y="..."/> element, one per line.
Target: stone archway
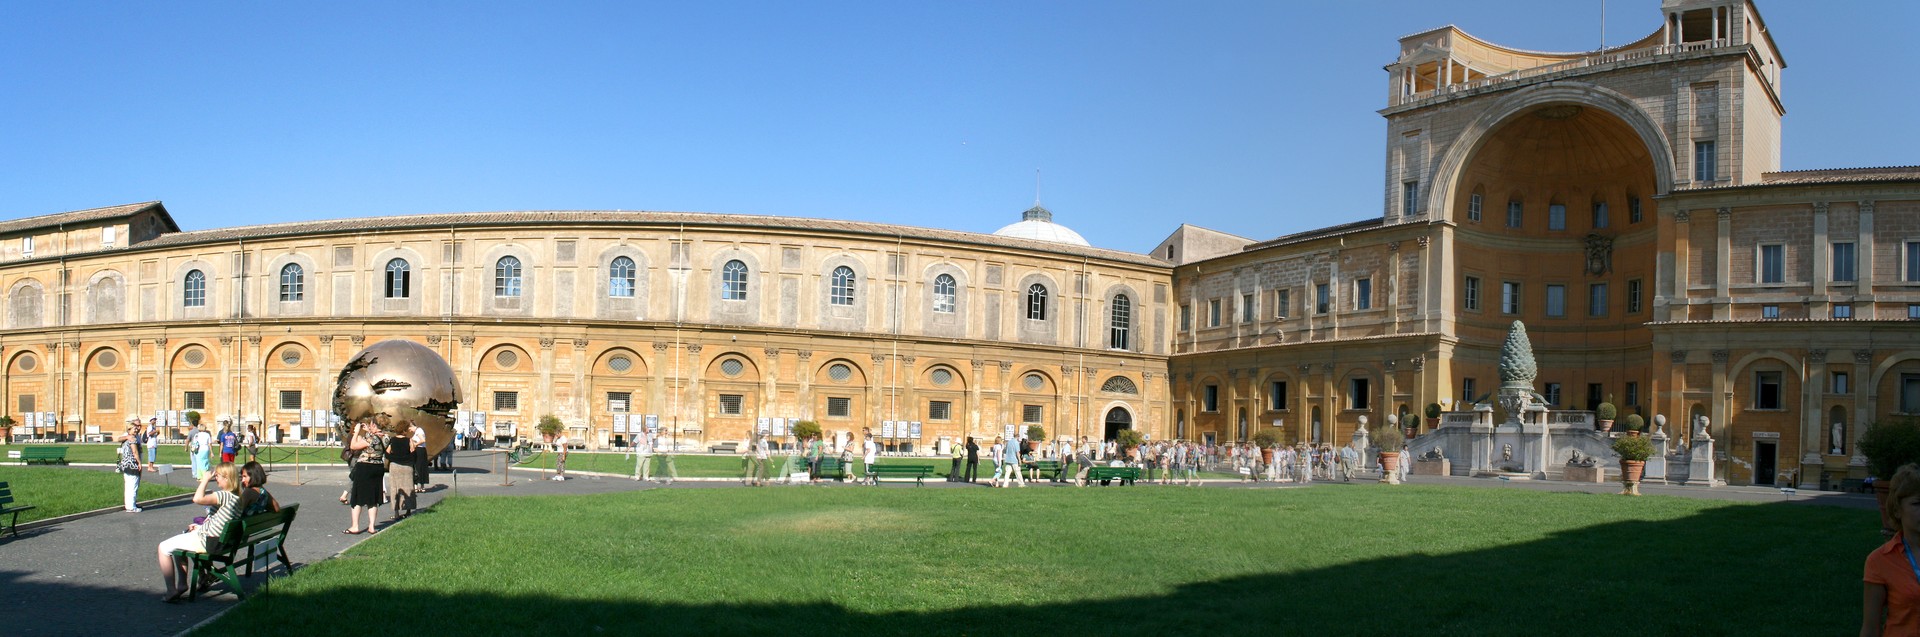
<point x="1117" y="419"/>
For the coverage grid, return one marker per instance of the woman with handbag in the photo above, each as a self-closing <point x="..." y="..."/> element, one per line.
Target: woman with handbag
<point x="368" y="450"/>
<point x="129" y="466"/>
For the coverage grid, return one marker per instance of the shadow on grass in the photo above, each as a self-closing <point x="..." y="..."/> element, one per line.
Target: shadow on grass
<point x="1741" y="570"/>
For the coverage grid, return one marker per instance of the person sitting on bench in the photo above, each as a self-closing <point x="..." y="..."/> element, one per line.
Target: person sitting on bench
<point x="200" y="538"/>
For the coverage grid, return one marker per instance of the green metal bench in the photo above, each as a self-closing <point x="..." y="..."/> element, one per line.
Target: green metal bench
<point x="918" y="472"/>
<point x="831" y="468"/>
<point x="7" y="508"/>
<point x="244" y="536"/>
<point x="1039" y="467"/>
<point x="43" y="455"/>
<point x="1126" y="475"/>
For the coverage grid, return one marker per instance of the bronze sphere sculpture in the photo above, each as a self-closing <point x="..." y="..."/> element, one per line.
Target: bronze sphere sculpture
<point x="403" y="380"/>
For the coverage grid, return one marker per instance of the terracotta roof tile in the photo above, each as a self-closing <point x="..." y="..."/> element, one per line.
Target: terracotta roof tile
<point x="82" y="216"/>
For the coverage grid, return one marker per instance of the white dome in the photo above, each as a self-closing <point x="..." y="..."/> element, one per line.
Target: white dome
<point x="1037" y="223"/>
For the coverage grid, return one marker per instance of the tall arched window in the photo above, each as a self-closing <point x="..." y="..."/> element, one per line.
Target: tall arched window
<point x="506" y="277"/>
<point x="1037" y="302"/>
<point x="733" y="281"/>
<point x="620" y="278"/>
<point x="399" y="279"/>
<point x="943" y="292"/>
<point x="1120" y="324"/>
<point x="842" y="286"/>
<point x="293" y="283"/>
<point x="193" y="293"/>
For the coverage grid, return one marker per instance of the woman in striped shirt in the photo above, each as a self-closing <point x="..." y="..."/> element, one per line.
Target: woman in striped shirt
<point x="198" y="539"/>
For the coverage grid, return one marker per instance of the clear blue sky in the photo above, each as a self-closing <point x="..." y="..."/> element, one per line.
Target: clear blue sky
<point x="1255" y="118"/>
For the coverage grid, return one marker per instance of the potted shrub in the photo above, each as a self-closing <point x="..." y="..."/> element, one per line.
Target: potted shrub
<point x="1413" y="424"/>
<point x="1889" y="446"/>
<point x="805" y="429"/>
<point x="1389" y="438"/>
<point x="1433" y="411"/>
<point x="1128" y="439"/>
<point x="1634" y="452"/>
<point x="1035" y="434"/>
<point x="1267" y="439"/>
<point x="1634" y="424"/>
<point x="1604" y="415"/>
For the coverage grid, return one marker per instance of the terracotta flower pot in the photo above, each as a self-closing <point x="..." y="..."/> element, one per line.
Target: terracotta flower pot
<point x="1630" y="472"/>
<point x="1266" y="455"/>
<point x="1604" y="425"/>
<point x="1390" y="467"/>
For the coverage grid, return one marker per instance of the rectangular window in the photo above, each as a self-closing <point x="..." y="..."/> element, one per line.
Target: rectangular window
<point x="1772" y="267"/>
<point x="1473" y="207"/>
<point x="839" y="407"/>
<point x="1281" y="299"/>
<point x="1703" y="162"/>
<point x="1766" y="390"/>
<point x="1913" y="311"/>
<point x="1553" y="393"/>
<point x="1842" y="311"/>
<point x="1186" y="317"/>
<point x="1843" y="262"/>
<point x="26" y="246"/>
<point x="1466" y="391"/>
<point x="1514" y="213"/>
<point x="1633" y="296"/>
<point x="1322" y="298"/>
<point x="1633" y="393"/>
<point x="939" y="410"/>
<point x="26" y="403"/>
<point x="107" y="235"/>
<point x="1633" y="210"/>
<point x="1359" y="394"/>
<point x="1909" y="393"/>
<point x="506" y="401"/>
<point x="1509" y="297"/>
<point x="1363" y="294"/>
<point x="1032" y="414"/>
<point x="1213" y="313"/>
<point x="290" y="400"/>
<point x="1277" y="396"/>
<point x="1246" y="308"/>
<point x="192" y="400"/>
<point x="1913" y="262"/>
<point x="1769" y="311"/>
<point x="1556" y="300"/>
<point x="104" y="401"/>
<point x="730" y="404"/>
<point x="1595" y="395"/>
<point x="1599" y="214"/>
<point x="1840" y="384"/>
<point x="1470" y="294"/>
<point x="1409" y="197"/>
<point x="1210" y="398"/>
<point x="1596" y="299"/>
<point x="1556" y="217"/>
<point x="619" y="402"/>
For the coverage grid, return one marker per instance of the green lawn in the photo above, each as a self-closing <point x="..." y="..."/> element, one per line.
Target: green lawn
<point x="57" y="491"/>
<point x="177" y="454"/>
<point x="1334" y="560"/>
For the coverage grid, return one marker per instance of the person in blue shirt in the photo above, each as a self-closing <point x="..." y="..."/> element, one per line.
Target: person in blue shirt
<point x="229" y="442"/>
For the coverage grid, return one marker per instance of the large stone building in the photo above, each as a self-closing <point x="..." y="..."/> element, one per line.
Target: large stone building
<point x="1627" y="204"/>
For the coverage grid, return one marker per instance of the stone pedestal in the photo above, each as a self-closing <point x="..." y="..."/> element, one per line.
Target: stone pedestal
<point x="1700" y="463"/>
<point x="1657" y="464"/>
<point x="1441" y="467"/>
<point x="1593" y="474"/>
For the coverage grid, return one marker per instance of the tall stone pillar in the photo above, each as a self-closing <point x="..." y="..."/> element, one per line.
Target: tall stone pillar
<point x="1812" y="444"/>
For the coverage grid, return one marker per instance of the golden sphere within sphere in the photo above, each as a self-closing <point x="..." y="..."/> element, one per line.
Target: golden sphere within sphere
<point x="403" y="380"/>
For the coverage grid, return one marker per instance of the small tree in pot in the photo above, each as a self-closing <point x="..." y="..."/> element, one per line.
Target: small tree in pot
<point x="1267" y="439"/>
<point x="1035" y="434"/>
<point x="549" y="427"/>
<point x="1128" y="439"/>
<point x="1635" y="424"/>
<point x="1605" y="413"/>
<point x="1389" y="438"/>
<point x="1634" y="452"/>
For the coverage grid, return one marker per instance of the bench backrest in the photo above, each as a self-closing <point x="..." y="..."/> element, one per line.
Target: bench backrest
<point x="6" y="495"/>
<point x="258" y="527"/>
<point x="43" y="452"/>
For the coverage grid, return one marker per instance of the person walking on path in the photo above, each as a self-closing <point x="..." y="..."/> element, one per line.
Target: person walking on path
<point x="368" y="455"/>
<point x="151" y="440"/>
<point x="871" y="454"/>
<point x="643" y="457"/>
<point x="1011" y="465"/>
<point x="229" y="442"/>
<point x="973" y="459"/>
<point x="251" y="442"/>
<point x="199" y="444"/>
<point x="399" y="489"/>
<point x="959" y="452"/>
<point x="559" y="456"/>
<point x="814" y="453"/>
<point x="997" y="453"/>
<point x="129" y="466"/>
<point x="421" y="465"/>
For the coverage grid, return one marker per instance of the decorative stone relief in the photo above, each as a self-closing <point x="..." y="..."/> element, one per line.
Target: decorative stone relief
<point x="1862" y="356"/>
<point x="1679" y="356"/>
<point x="253" y="340"/>
<point x="434" y="339"/>
<point x="358" y="339"/>
<point x="1866" y="206"/>
<point x="1720" y="356"/>
<point x="1680" y="216"/>
<point x="771" y="352"/>
<point x="1817" y="355"/>
<point x="580" y="342"/>
<point x="1723" y="214"/>
<point x="694" y="348"/>
<point x="228" y="340"/>
<point x="546" y="343"/>
<point x="468" y="340"/>
<point x="806" y="355"/>
<point x="1419" y="363"/>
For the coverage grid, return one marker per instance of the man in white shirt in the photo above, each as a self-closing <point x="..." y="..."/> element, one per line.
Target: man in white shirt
<point x="199" y="445"/>
<point x="643" y="454"/>
<point x="559" y="457"/>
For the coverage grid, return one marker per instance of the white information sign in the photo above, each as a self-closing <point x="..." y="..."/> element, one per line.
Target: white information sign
<point x="913" y="430"/>
<point x="1009" y="434"/>
<point x="653" y="422"/>
<point x="779" y="426"/>
<point x="886" y="429"/>
<point x="619" y="423"/>
<point x="763" y="425"/>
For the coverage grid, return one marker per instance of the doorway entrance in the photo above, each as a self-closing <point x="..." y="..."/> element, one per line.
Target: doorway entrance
<point x="1118" y="419"/>
<point x="1765" y="462"/>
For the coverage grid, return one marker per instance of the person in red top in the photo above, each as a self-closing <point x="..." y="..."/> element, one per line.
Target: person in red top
<point x="1892" y="599"/>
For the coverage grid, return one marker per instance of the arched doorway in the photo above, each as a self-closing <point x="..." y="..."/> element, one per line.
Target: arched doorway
<point x="1117" y="419"/>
